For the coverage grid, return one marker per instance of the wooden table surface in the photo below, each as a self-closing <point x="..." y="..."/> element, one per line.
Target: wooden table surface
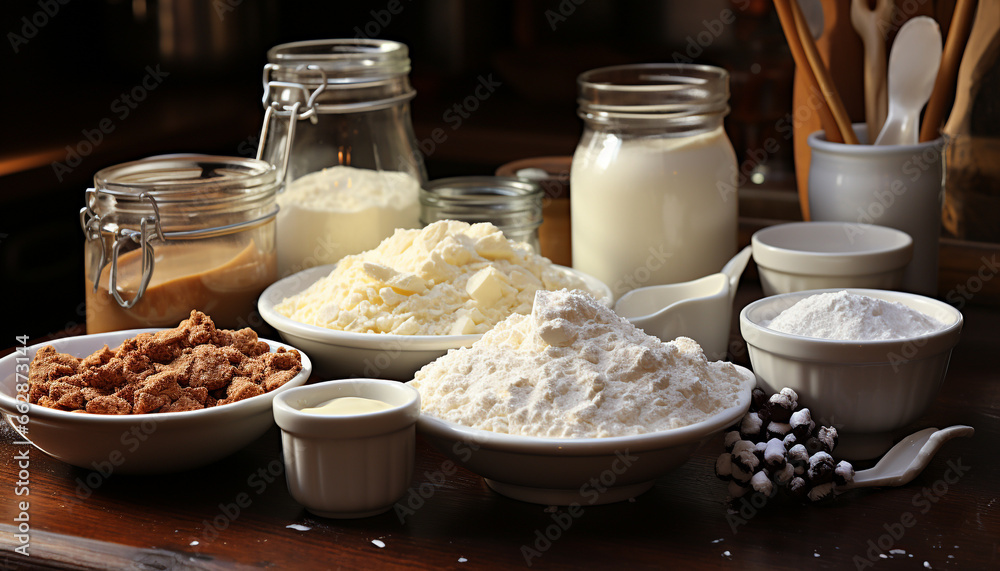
<point x="949" y="517"/>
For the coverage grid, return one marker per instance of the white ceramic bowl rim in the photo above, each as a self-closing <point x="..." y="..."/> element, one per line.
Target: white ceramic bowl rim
<point x="9" y="403"/>
<point x="817" y="140"/>
<point x="875" y="351"/>
<point x="298" y="282"/>
<point x="878" y="249"/>
<point x="595" y="446"/>
<point x="291" y="418"/>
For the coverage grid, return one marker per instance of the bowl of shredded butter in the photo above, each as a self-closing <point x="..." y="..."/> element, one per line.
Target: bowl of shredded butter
<point x="386" y="312"/>
<point x="572" y="404"/>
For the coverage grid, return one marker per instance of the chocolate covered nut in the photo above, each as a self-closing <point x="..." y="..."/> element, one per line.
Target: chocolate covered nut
<point x="791" y="395"/>
<point x="813" y="445"/>
<point x="778" y="429"/>
<point x="790" y="440"/>
<point x="739" y="474"/>
<point x="798" y="489"/>
<point x="758" y="451"/>
<point x="731" y="438"/>
<point x="781" y="407"/>
<point x="745" y="459"/>
<point x="785" y="475"/>
<point x="737" y="490"/>
<point x="774" y="454"/>
<point x="751" y="426"/>
<point x="820" y="468"/>
<point x="843" y="473"/>
<point x="798" y="456"/>
<point x="765" y="415"/>
<point x="827" y="437"/>
<point x="724" y="466"/>
<point x="758" y="398"/>
<point x="762" y="483"/>
<point x="802" y="424"/>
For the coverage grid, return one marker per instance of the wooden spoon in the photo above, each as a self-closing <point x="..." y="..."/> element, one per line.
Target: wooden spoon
<point x="980" y="52"/>
<point x="944" y="85"/>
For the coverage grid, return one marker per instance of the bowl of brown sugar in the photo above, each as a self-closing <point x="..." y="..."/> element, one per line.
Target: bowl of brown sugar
<point x="147" y="401"/>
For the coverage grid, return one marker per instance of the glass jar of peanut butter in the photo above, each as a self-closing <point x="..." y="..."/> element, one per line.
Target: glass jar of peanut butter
<point x="169" y="234"/>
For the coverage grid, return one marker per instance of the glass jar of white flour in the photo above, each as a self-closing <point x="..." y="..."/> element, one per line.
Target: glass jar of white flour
<point x="337" y="124"/>
<point x="654" y="175"/>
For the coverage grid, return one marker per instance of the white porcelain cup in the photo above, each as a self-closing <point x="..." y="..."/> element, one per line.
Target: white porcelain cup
<point x="348" y="466"/>
<point x="899" y="186"/>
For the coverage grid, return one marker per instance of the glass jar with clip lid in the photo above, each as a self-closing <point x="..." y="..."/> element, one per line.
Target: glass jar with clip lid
<point x="337" y="121"/>
<point x="166" y="235"/>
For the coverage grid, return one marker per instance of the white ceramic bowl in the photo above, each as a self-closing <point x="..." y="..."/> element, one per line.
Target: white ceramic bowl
<point x="348" y="466"/>
<point x="803" y="256"/>
<point x="344" y="354"/>
<point x="585" y="471"/>
<point x="866" y="389"/>
<point x="137" y="443"/>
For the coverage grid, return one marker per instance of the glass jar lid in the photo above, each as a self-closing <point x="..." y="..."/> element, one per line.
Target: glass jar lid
<point x="338" y="75"/>
<point x="343" y="60"/>
<point x="181" y="178"/>
<point x="653" y="91"/>
<point x="508" y="203"/>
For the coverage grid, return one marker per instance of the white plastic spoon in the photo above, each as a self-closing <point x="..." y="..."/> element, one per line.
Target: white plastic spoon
<point x="904" y="461"/>
<point x="913" y="66"/>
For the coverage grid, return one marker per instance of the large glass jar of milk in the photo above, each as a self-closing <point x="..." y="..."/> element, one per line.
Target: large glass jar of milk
<point x="337" y="123"/>
<point x="654" y="176"/>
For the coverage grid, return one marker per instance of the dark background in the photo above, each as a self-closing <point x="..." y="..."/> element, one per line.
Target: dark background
<point x="65" y="73"/>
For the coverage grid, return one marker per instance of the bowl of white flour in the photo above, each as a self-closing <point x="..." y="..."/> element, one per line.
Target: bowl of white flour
<point x="868" y="362"/>
<point x="572" y="404"/>
<point x="386" y="312"/>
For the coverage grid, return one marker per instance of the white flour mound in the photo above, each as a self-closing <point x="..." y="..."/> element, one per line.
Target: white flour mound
<point x="449" y="278"/>
<point x="575" y="369"/>
<point x="851" y="317"/>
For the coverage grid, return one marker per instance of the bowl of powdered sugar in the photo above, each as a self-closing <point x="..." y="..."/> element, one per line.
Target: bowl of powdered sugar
<point x="572" y="404"/>
<point x="868" y="362"/>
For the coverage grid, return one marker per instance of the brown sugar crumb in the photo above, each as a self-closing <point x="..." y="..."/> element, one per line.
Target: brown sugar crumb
<point x="108" y="404"/>
<point x="190" y="367"/>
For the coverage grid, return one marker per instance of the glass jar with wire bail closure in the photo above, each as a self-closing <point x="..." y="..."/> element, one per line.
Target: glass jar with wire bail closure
<point x="337" y="119"/>
<point x="167" y="235"/>
<point x="654" y="175"/>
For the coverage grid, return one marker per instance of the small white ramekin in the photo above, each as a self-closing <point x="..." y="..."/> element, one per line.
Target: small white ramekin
<point x="348" y="466"/>
<point x="801" y="256"/>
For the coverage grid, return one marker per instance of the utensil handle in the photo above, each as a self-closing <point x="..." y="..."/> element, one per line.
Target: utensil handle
<point x="822" y="75"/>
<point x="944" y="85"/>
<point x="792" y="35"/>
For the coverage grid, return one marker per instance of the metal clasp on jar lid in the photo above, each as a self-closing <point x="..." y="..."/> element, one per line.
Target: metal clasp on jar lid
<point x="293" y="111"/>
<point x="150" y="227"/>
<point x="92" y="228"/>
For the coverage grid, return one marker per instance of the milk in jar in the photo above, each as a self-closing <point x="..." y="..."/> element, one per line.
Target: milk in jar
<point x="653" y="177"/>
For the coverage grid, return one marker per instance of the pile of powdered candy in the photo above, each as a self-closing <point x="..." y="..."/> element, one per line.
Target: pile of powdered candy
<point x="778" y="444"/>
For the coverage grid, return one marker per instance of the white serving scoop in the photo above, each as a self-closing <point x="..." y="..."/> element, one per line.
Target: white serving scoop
<point x="913" y="67"/>
<point x="905" y="460"/>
